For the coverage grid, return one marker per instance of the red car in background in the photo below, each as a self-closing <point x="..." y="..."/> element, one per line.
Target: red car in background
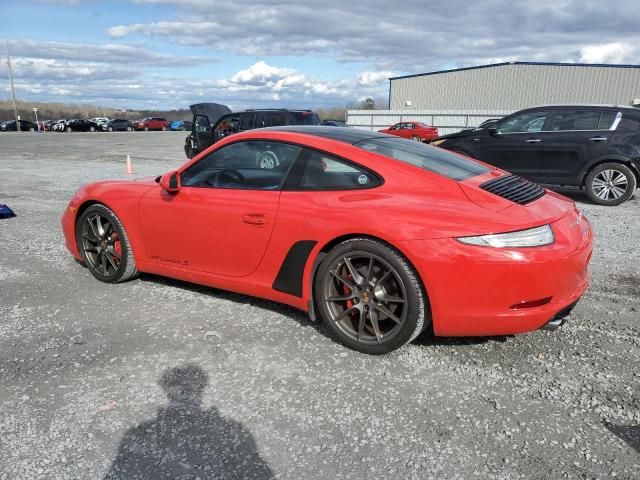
<point x="151" y="123"/>
<point x="379" y="237"/>
<point x="413" y="131"/>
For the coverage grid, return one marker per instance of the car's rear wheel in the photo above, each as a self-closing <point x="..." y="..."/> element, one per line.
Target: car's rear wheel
<point x="69" y="129"/>
<point x="146" y="129"/>
<point x="129" y="129"/>
<point x="92" y="129"/>
<point x="370" y="297"/>
<point x="109" y="129"/>
<point x="610" y="184"/>
<point x="164" y="129"/>
<point x="104" y="246"/>
<point x="416" y="138"/>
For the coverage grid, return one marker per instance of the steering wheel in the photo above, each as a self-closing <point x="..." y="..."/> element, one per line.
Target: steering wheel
<point x="229" y="177"/>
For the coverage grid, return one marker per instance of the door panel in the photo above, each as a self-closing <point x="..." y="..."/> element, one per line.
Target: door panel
<point x="517" y="153"/>
<point x="220" y="231"/>
<point x="576" y="137"/>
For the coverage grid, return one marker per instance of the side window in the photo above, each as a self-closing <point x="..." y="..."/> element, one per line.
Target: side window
<point x="260" y="120"/>
<point x="275" y="119"/>
<point x="606" y="120"/>
<point x="523" y="123"/>
<point x="251" y="165"/>
<point x="321" y="171"/>
<point x="246" y="121"/>
<point x="577" y="120"/>
<point x="202" y="124"/>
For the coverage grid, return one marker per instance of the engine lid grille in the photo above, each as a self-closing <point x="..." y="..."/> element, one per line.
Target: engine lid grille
<point x="514" y="188"/>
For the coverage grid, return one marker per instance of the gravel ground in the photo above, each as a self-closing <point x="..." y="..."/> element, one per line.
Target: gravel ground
<point x="157" y="378"/>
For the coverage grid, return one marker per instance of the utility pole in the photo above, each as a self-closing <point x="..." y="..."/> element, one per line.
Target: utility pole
<point x="13" y="88"/>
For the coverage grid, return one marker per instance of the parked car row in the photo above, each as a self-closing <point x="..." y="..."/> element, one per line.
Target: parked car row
<point x="98" y="124"/>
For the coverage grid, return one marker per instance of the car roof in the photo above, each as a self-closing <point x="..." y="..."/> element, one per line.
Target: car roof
<point x="584" y="105"/>
<point x="341" y="134"/>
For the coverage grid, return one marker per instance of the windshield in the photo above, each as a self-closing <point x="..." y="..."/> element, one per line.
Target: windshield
<point x="304" y="118"/>
<point x="433" y="159"/>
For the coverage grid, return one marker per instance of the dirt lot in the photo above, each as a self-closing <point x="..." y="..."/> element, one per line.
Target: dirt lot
<point x="162" y="379"/>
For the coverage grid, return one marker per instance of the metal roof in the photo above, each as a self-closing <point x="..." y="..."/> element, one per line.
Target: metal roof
<point x="491" y="65"/>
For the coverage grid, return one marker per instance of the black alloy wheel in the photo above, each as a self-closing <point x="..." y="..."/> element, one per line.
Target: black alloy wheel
<point x="370" y="297"/>
<point x="104" y="246"/>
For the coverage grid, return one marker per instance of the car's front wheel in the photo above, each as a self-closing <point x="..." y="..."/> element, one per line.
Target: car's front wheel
<point x="92" y="129"/>
<point x="416" y="138"/>
<point x="610" y="184"/>
<point x="370" y="297"/>
<point x="104" y="246"/>
<point x="69" y="129"/>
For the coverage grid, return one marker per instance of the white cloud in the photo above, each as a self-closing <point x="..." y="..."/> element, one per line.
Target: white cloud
<point x="261" y="73"/>
<point x="615" y="52"/>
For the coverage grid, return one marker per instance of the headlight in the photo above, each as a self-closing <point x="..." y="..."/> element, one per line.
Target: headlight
<point x="533" y="237"/>
<point x="436" y="142"/>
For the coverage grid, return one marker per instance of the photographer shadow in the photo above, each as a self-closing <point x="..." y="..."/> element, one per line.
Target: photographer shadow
<point x="185" y="441"/>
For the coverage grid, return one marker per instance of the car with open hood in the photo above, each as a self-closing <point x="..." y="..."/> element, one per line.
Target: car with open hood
<point x="212" y="122"/>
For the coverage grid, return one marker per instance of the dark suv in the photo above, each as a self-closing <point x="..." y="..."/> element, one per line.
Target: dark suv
<point x="207" y="129"/>
<point x="593" y="147"/>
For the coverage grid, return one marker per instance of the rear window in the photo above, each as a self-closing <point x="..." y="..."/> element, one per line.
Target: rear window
<point x="304" y="118"/>
<point x="433" y="159"/>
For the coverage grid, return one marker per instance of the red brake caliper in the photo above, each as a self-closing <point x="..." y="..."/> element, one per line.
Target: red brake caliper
<point x="346" y="290"/>
<point x="117" y="247"/>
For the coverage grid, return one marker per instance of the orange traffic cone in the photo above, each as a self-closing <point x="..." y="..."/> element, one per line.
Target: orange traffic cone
<point x="129" y="166"/>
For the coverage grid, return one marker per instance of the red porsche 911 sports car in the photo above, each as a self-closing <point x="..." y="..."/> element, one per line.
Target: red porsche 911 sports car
<point x="379" y="236"/>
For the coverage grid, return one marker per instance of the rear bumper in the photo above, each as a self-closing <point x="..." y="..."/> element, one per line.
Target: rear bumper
<point x="483" y="291"/>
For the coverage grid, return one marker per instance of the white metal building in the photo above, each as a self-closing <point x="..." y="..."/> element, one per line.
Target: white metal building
<point x="465" y="97"/>
<point x="515" y="85"/>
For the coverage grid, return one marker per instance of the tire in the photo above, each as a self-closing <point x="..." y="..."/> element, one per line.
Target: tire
<point x="164" y="129"/>
<point x="344" y="297"/>
<point x="129" y="129"/>
<point x="92" y="129"/>
<point x="416" y="138"/>
<point x="32" y="129"/>
<point x="109" y="260"/>
<point x="68" y="129"/>
<point x="109" y="129"/>
<point x="610" y="184"/>
<point x="146" y="129"/>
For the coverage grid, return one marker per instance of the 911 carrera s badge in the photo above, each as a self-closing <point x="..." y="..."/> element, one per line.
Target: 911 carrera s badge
<point x="158" y="258"/>
<point x="363" y="179"/>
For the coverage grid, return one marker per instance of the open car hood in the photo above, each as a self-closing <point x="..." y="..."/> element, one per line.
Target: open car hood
<point x="213" y="111"/>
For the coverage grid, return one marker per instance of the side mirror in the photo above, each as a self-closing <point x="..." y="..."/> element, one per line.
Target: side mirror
<point x="170" y="182"/>
<point x="492" y="131"/>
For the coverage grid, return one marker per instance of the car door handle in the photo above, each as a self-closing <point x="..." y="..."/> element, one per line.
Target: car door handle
<point x="533" y="140"/>
<point x="257" y="219"/>
<point x="598" y="139"/>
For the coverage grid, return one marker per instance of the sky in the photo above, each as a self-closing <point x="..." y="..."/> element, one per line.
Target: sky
<point x="165" y="54"/>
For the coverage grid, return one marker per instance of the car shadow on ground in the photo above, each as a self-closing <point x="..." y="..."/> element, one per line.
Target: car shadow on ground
<point x="628" y="433"/>
<point x="185" y="440"/>
<point x="426" y="338"/>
